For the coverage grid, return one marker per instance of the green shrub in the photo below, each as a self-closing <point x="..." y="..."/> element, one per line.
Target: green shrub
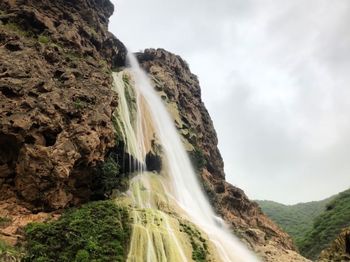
<point x="44" y="39"/>
<point x="79" y="104"/>
<point x="108" y="178"/>
<point x="98" y="231"/>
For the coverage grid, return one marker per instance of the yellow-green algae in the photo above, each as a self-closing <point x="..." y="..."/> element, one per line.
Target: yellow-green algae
<point x="158" y="232"/>
<point x="160" y="229"/>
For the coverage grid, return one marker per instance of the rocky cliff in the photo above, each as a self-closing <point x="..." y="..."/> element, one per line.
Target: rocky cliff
<point x="339" y="249"/>
<point x="56" y="108"/>
<point x="180" y="89"/>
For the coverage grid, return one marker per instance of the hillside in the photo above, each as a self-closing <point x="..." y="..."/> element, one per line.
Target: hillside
<point x="294" y="219"/>
<point x="327" y="226"/>
<point x="312" y="225"/>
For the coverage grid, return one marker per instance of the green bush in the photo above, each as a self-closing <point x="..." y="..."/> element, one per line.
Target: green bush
<point x="44" y="39"/>
<point x="98" y="231"/>
<point x="108" y="178"/>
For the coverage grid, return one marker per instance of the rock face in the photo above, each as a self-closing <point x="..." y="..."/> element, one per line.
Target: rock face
<point x="56" y="107"/>
<point x="56" y="101"/>
<point x="181" y="90"/>
<point x="339" y="249"/>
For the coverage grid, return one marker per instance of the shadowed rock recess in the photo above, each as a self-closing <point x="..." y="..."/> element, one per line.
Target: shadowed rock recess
<point x="56" y="111"/>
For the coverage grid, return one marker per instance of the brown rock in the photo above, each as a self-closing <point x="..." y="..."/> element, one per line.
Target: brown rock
<point x="339" y="249"/>
<point x="56" y="101"/>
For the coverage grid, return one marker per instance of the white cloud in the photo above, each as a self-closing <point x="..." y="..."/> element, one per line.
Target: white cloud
<point x="274" y="75"/>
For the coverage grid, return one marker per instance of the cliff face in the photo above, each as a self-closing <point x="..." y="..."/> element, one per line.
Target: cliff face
<point x="180" y="89"/>
<point x="55" y="98"/>
<point x="56" y="109"/>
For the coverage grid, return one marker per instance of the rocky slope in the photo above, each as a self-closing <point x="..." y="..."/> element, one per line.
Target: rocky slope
<point x="56" y="109"/>
<point x="339" y="249"/>
<point x="55" y="101"/>
<point x="181" y="91"/>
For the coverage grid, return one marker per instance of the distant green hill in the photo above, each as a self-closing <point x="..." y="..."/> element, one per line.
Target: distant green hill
<point x="297" y="219"/>
<point x="327" y="226"/>
<point x="312" y="225"/>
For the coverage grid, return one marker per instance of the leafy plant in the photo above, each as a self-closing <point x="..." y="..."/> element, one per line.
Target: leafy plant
<point x="79" y="104"/>
<point x="108" y="177"/>
<point x="98" y="231"/>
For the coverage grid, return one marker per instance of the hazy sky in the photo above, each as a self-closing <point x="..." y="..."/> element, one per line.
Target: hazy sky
<point x="275" y="78"/>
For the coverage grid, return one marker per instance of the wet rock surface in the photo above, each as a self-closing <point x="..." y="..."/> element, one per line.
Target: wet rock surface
<point x="180" y="88"/>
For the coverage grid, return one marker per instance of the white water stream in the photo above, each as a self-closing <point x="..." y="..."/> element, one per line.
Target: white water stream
<point x="182" y="184"/>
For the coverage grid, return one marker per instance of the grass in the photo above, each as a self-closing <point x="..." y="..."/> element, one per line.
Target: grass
<point x="9" y="253"/>
<point x="98" y="231"/>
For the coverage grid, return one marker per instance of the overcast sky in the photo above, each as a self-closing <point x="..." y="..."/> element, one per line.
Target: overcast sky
<point x="275" y="78"/>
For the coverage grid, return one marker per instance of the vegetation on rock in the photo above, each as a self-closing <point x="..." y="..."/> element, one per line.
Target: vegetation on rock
<point x="198" y="243"/>
<point x="327" y="226"/>
<point x="98" y="231"/>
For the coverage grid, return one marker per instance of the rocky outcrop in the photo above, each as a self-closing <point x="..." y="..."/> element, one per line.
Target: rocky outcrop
<point x="339" y="249"/>
<point x="56" y="101"/>
<point x="181" y="91"/>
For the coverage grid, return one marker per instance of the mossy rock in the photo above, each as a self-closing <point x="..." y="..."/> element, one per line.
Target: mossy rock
<point x="98" y="231"/>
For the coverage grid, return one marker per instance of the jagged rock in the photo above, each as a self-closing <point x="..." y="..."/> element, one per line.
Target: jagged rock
<point x="56" y="101"/>
<point x="339" y="249"/>
<point x="174" y="81"/>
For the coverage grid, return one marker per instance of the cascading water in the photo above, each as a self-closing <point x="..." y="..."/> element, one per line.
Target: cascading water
<point x="177" y="189"/>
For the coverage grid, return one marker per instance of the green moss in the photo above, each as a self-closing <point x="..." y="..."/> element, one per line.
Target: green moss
<point x="198" y="243"/>
<point x="98" y="231"/>
<point x="44" y="39"/>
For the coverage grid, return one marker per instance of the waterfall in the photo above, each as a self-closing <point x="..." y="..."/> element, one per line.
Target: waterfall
<point x="176" y="190"/>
